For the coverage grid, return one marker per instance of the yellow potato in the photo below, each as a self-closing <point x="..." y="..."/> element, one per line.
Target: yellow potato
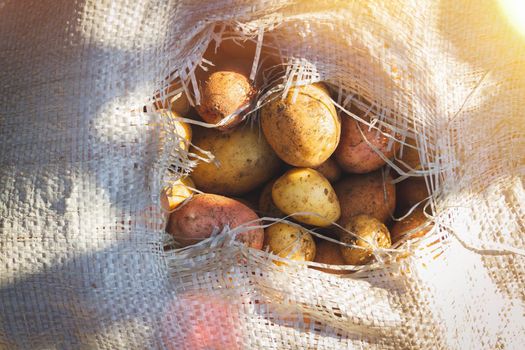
<point x="369" y="229"/>
<point x="330" y="169"/>
<point x="289" y="241"/>
<point x="172" y="196"/>
<point x="266" y="205"/>
<point x="303" y="133"/>
<point x="306" y="190"/>
<point x="246" y="161"/>
<point x="183" y="130"/>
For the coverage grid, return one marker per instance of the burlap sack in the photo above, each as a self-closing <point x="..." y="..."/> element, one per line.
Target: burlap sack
<point x="82" y="264"/>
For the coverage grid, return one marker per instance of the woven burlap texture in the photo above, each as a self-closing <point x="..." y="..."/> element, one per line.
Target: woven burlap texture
<point x="82" y="264"/>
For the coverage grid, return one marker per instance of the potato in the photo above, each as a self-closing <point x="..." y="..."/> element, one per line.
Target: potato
<point x="304" y="133"/>
<point x="227" y="91"/>
<point x="246" y="161"/>
<point x="183" y="130"/>
<point x="353" y="153"/>
<point x="412" y="222"/>
<point x="366" y="194"/>
<point x="289" y="241"/>
<point x="330" y="170"/>
<point x="266" y="205"/>
<point x="306" y="190"/>
<point x="410" y="156"/>
<point x="369" y="229"/>
<point x="329" y="253"/>
<point x="196" y="220"/>
<point x="172" y="196"/>
<point x="410" y="192"/>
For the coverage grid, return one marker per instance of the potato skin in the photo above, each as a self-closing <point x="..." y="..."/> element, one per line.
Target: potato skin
<point x="246" y="161"/>
<point x="353" y="153"/>
<point x="283" y="239"/>
<point x="266" y="205"/>
<point x="366" y="227"/>
<point x="183" y="130"/>
<point x="196" y="220"/>
<point x="410" y="156"/>
<point x="306" y="190"/>
<point x="365" y="194"/>
<point x="172" y="196"/>
<point x="330" y="169"/>
<point x="411" y="222"/>
<point x="410" y="192"/>
<point x="304" y="133"/>
<point x="224" y="92"/>
<point x="329" y="253"/>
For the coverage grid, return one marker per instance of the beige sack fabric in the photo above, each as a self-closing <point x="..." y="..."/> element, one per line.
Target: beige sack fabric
<point x="82" y="264"/>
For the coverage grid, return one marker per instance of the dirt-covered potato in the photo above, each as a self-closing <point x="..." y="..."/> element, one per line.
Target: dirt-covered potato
<point x="410" y="192"/>
<point x="176" y="193"/>
<point x="330" y="170"/>
<point x="329" y="253"/>
<point x="225" y="92"/>
<point x="416" y="221"/>
<point x="266" y="205"/>
<point x="289" y="241"/>
<point x="372" y="234"/>
<point x="354" y="154"/>
<point x="303" y="133"/>
<point x="197" y="219"/>
<point x="366" y="194"/>
<point x="246" y="161"/>
<point x="306" y="190"/>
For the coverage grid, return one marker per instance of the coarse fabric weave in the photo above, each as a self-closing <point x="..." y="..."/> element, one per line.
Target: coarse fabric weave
<point x="82" y="264"/>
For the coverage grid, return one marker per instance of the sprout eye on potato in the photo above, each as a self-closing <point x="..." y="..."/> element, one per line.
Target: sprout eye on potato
<point x="303" y="133"/>
<point x="306" y="190"/>
<point x="245" y="161"/>
<point x="290" y="241"/>
<point x="372" y="234"/>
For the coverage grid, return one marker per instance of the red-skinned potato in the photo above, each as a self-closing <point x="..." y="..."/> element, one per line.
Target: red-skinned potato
<point x="196" y="220"/>
<point x="354" y="154"/>
<point x="366" y="194"/>
<point x="410" y="192"/>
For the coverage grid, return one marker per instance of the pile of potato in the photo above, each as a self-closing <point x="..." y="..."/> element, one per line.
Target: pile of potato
<point x="308" y="163"/>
